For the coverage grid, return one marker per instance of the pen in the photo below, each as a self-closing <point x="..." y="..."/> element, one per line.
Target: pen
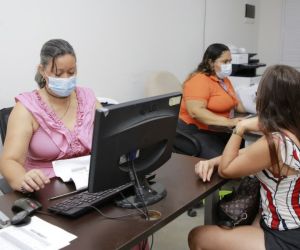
<point x="66" y="194"/>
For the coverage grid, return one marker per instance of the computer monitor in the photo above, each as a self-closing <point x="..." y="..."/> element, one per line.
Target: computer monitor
<point x="130" y="140"/>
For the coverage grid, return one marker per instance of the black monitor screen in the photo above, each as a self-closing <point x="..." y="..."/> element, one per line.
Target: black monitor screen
<point x="137" y="133"/>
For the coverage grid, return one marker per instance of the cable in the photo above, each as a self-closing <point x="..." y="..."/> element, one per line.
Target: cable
<point x="131" y="156"/>
<point x="110" y="217"/>
<point x="140" y="210"/>
<point x="152" y="241"/>
<point x="139" y="188"/>
<point x="137" y="208"/>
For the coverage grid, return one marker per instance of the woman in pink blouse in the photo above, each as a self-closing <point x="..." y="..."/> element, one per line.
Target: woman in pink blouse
<point x="52" y="122"/>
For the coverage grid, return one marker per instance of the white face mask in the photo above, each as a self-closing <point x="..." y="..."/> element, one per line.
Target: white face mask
<point x="62" y="87"/>
<point x="226" y="69"/>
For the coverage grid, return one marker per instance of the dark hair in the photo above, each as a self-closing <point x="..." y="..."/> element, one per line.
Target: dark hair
<point x="278" y="103"/>
<point x="211" y="54"/>
<point x="50" y="51"/>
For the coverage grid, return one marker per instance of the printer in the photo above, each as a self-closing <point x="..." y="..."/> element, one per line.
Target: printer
<point x="243" y="64"/>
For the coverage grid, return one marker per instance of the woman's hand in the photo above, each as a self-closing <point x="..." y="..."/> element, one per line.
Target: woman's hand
<point x="205" y="169"/>
<point x="31" y="181"/>
<point x="250" y="124"/>
<point x="235" y="121"/>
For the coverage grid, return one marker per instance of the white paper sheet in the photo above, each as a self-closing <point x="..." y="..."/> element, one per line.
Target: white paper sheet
<point x="37" y="235"/>
<point x="247" y="95"/>
<point x="74" y="169"/>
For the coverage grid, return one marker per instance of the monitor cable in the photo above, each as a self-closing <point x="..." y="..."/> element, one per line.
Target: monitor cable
<point x="135" y="206"/>
<point x="138" y="188"/>
<point x="131" y="156"/>
<point x="140" y="195"/>
<point x="115" y="217"/>
<point x="141" y="211"/>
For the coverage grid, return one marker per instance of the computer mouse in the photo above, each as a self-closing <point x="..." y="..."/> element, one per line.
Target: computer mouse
<point x="21" y="218"/>
<point x="26" y="204"/>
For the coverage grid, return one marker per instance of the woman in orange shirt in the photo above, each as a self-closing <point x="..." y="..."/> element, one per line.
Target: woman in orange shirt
<point x="209" y="99"/>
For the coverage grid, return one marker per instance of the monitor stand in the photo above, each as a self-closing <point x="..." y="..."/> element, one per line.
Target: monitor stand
<point x="151" y="193"/>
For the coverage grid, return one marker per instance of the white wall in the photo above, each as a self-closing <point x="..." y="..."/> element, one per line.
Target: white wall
<point x="290" y="53"/>
<point x="118" y="42"/>
<point x="269" y="31"/>
<point x="225" y="23"/>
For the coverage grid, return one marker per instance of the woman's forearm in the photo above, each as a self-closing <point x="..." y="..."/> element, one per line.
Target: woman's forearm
<point x="231" y="151"/>
<point x="217" y="160"/>
<point x="12" y="171"/>
<point x="209" y="118"/>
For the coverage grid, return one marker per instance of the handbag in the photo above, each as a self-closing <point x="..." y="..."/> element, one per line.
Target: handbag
<point x="241" y="206"/>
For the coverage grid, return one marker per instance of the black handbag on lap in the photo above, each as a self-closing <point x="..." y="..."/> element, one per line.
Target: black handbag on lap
<point x="241" y="206"/>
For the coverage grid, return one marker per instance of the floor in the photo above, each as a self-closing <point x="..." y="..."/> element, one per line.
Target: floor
<point x="174" y="235"/>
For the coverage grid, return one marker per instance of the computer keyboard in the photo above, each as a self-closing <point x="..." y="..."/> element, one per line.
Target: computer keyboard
<point x="80" y="203"/>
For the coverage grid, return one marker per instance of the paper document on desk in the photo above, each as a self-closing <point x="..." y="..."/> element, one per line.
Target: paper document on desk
<point x="247" y="95"/>
<point x="74" y="169"/>
<point x="37" y="235"/>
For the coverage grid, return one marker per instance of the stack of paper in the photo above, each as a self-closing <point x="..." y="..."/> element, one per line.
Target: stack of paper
<point x="74" y="169"/>
<point x="37" y="235"/>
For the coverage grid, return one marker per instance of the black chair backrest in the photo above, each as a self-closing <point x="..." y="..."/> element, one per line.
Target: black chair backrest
<point x="186" y="144"/>
<point x="4" y="114"/>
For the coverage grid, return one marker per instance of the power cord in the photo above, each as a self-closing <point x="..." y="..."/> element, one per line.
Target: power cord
<point x="137" y="208"/>
<point x="113" y="218"/>
<point x="138" y="187"/>
<point x="141" y="196"/>
<point x="130" y="158"/>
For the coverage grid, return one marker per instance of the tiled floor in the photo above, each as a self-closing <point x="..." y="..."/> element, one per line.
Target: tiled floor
<point x="174" y="235"/>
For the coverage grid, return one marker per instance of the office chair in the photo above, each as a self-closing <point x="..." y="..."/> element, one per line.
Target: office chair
<point x="164" y="82"/>
<point x="4" y="114"/>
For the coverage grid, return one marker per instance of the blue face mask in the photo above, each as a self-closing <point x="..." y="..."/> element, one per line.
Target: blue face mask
<point x="62" y="87"/>
<point x="226" y="69"/>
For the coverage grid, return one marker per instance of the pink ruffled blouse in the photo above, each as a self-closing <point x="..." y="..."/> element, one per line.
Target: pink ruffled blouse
<point x="52" y="140"/>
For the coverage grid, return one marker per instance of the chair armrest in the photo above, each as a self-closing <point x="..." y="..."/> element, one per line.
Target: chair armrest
<point x="186" y="143"/>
